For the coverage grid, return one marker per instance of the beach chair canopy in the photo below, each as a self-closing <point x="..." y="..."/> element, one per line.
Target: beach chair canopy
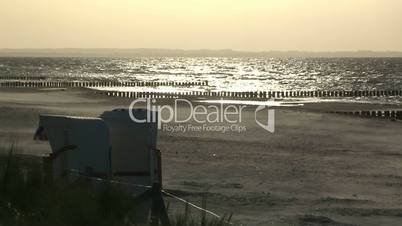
<point x="110" y="144"/>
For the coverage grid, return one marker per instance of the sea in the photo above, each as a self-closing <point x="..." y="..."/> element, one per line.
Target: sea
<point x="222" y="73"/>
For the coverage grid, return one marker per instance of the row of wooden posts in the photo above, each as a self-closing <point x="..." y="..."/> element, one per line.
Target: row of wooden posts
<point x="384" y="114"/>
<point x="34" y="78"/>
<point x="249" y="95"/>
<point x="52" y="84"/>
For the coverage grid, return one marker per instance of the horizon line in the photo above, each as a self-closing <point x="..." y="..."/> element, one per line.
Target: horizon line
<point x="161" y="52"/>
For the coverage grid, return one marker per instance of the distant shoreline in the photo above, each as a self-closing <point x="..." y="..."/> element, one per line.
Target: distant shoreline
<point x="141" y="52"/>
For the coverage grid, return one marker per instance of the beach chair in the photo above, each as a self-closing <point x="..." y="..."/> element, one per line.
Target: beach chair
<point x="112" y="145"/>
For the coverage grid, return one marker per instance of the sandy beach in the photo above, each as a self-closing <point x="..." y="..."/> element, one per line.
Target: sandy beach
<point x="316" y="169"/>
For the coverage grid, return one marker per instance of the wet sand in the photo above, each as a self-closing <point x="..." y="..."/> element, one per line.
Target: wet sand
<point x="316" y="169"/>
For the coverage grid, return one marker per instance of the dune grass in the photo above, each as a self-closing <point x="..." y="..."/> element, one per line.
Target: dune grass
<point x="27" y="198"/>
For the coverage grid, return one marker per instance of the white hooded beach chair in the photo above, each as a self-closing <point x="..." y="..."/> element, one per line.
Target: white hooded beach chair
<point x="111" y="145"/>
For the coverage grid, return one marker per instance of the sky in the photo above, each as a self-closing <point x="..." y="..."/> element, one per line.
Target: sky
<point x="251" y="25"/>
